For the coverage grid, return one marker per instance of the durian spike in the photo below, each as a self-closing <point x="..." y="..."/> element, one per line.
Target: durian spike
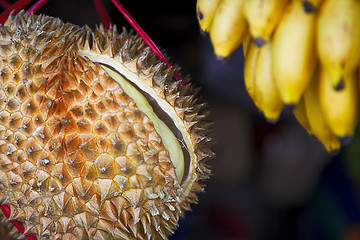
<point x="15" y="8"/>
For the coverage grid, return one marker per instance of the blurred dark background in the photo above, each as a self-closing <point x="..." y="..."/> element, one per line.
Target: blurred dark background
<point x="270" y="181"/>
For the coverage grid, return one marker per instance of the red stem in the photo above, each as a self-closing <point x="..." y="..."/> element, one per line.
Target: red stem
<point x="103" y="14"/>
<point x="4" y="4"/>
<point x="39" y="4"/>
<point x="6" y="211"/>
<point x="16" y="7"/>
<point x="146" y="38"/>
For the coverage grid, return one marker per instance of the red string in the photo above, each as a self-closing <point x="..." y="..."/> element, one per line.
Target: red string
<point x="16" y="7"/>
<point x="4" y="4"/>
<point x="6" y="211"/>
<point x="39" y="4"/>
<point x="103" y="14"/>
<point x="146" y="38"/>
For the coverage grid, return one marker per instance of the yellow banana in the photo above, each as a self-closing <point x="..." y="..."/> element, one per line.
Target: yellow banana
<point x="249" y="70"/>
<point x="338" y="38"/>
<point x="228" y="28"/>
<point x="358" y="77"/>
<point x="293" y="52"/>
<point x="205" y="12"/>
<point x="265" y="90"/>
<point x="340" y="108"/>
<point x="311" y="5"/>
<point x="317" y="121"/>
<point x="262" y="16"/>
<point x="245" y="44"/>
<point x="301" y="115"/>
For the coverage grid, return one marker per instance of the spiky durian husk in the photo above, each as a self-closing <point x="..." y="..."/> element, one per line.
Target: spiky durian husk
<point x="78" y="159"/>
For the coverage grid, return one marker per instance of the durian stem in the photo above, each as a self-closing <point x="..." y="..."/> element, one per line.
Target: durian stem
<point x="146" y="38"/>
<point x="103" y="14"/>
<point x="16" y="7"/>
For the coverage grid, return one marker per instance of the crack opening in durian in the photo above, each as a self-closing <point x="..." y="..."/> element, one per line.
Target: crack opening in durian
<point x="165" y="127"/>
<point x="136" y="79"/>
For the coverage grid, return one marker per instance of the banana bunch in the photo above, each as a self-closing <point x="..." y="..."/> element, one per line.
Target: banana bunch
<point x="303" y="54"/>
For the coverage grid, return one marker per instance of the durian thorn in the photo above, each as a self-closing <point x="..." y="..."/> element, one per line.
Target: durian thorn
<point x="103" y="14"/>
<point x="16" y="7"/>
<point x="147" y="39"/>
<point x="6" y="211"/>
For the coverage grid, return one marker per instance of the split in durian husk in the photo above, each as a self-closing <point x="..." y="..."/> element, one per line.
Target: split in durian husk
<point x="85" y="149"/>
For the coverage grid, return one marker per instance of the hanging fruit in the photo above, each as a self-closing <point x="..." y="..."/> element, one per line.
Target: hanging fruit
<point x="305" y="37"/>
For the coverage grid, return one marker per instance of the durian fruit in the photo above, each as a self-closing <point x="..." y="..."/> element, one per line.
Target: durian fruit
<point x="97" y="140"/>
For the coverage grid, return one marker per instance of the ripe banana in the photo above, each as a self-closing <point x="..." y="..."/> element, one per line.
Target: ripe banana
<point x="293" y="52"/>
<point x="317" y="121"/>
<point x="338" y="38"/>
<point x="262" y="16"/>
<point x="246" y="44"/>
<point x="340" y="108"/>
<point x="301" y="115"/>
<point x="311" y="5"/>
<point x="299" y="35"/>
<point x="249" y="70"/>
<point x="228" y="28"/>
<point x="205" y="12"/>
<point x="265" y="90"/>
